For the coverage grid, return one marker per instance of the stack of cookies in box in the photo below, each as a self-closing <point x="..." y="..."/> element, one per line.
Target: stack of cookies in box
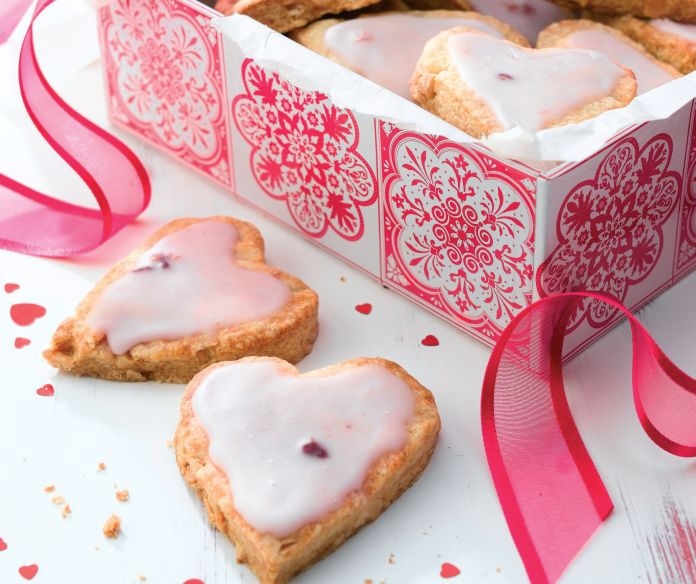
<point x="487" y="66"/>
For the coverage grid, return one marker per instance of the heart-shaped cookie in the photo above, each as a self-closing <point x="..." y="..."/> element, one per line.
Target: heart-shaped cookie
<point x="679" y="10"/>
<point x="483" y="85"/>
<point x="290" y="465"/>
<point x="588" y="34"/>
<point x="373" y="44"/>
<point x="197" y="292"/>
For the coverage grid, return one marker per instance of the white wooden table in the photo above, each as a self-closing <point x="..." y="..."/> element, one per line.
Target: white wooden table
<point x="449" y="518"/>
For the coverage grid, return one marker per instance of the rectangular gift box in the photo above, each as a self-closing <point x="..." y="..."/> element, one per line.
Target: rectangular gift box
<point x="469" y="234"/>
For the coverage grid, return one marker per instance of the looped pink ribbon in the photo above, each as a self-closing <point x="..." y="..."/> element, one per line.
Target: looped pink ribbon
<point x="549" y="488"/>
<point x="34" y="223"/>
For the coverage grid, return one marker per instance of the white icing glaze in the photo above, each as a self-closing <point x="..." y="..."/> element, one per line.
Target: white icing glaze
<point x="528" y="17"/>
<point x="527" y="87"/>
<point x="258" y="417"/>
<point x="200" y="291"/>
<point x="681" y="29"/>
<point x="385" y="48"/>
<point x="648" y="73"/>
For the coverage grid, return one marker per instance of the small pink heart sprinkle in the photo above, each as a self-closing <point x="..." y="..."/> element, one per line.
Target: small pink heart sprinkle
<point x="3" y="545"/>
<point x="10" y="287"/>
<point x="21" y="342"/>
<point x="26" y="313"/>
<point x="430" y="341"/>
<point x="46" y="390"/>
<point x="194" y="581"/>
<point x="28" y="572"/>
<point x="364" y="308"/>
<point x="448" y="570"/>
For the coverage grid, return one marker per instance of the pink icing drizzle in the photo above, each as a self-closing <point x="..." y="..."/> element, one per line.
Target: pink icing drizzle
<point x="374" y="46"/>
<point x="260" y="419"/>
<point x="187" y="283"/>
<point x="648" y="73"/>
<point x="531" y="88"/>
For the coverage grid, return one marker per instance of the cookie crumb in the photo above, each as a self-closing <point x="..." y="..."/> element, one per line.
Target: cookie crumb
<point x="122" y="495"/>
<point x="170" y="443"/>
<point x="101" y="466"/>
<point x="58" y="500"/>
<point x="141" y="577"/>
<point x="342" y="278"/>
<point x="49" y="488"/>
<point x="392" y="559"/>
<point x="66" y="511"/>
<point x="367" y="581"/>
<point x="112" y="526"/>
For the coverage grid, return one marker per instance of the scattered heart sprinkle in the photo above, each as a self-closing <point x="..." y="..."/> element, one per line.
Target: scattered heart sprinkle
<point x="448" y="570"/>
<point x="28" y="572"/>
<point x="194" y="581"/>
<point x="46" y="390"/>
<point x="11" y="287"/>
<point x="3" y="545"/>
<point x="21" y="342"/>
<point x="26" y="313"/>
<point x="365" y="308"/>
<point x="430" y="341"/>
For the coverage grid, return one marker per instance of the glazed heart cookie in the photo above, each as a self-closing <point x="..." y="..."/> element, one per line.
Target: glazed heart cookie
<point x="286" y="15"/>
<point x="595" y="36"/>
<point x="484" y="85"/>
<point x="373" y="44"/>
<point x="682" y="10"/>
<point x="197" y="292"/>
<point x="290" y="465"/>
<point x="670" y="41"/>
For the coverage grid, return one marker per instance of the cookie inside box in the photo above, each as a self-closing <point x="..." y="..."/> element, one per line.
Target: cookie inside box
<point x="545" y="64"/>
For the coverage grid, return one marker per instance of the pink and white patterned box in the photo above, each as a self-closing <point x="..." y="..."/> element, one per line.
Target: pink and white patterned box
<point x="469" y="235"/>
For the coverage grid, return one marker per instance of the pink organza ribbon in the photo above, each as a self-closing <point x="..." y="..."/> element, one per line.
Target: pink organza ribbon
<point x="34" y="223"/>
<point x="549" y="489"/>
<point x="11" y="12"/>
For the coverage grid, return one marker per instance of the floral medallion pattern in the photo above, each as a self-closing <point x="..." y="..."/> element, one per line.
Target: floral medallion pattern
<point x="459" y="229"/>
<point x="609" y="227"/>
<point x="687" y="231"/>
<point x="163" y="63"/>
<point x="304" y="152"/>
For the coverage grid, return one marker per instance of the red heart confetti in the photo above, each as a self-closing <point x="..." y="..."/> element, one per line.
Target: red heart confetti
<point x="46" y="390"/>
<point x="21" y="342"/>
<point x="448" y="570"/>
<point x="28" y="572"/>
<point x="3" y="545"/>
<point x="10" y="287"/>
<point x="26" y="313"/>
<point x="364" y="308"/>
<point x="430" y="341"/>
<point x="194" y="581"/>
